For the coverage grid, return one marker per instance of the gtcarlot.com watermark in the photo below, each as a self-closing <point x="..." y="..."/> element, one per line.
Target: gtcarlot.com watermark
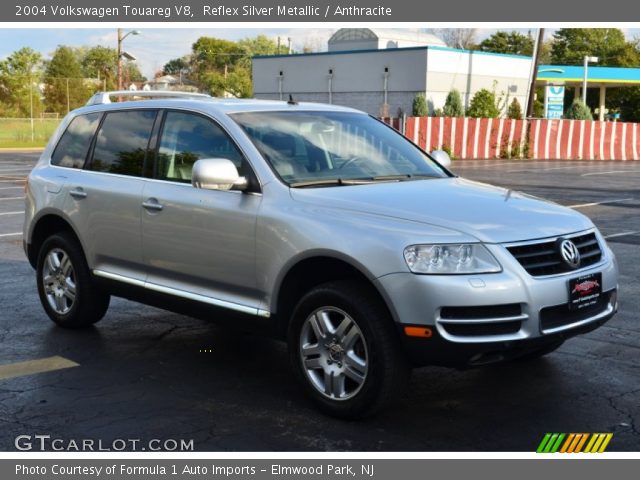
<point x="46" y="443"/>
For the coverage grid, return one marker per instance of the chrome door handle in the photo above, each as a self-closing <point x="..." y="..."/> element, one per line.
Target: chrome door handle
<point x="152" y="204"/>
<point x="78" y="193"/>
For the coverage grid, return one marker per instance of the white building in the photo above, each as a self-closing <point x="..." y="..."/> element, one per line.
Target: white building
<point x="384" y="81"/>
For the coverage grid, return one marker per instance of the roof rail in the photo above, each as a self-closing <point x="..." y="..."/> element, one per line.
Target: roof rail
<point x="102" y="98"/>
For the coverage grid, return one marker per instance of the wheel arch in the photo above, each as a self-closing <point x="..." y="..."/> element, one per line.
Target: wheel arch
<point x="46" y="225"/>
<point x="326" y="266"/>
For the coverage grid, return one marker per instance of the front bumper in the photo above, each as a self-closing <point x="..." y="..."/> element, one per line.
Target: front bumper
<point x="504" y="314"/>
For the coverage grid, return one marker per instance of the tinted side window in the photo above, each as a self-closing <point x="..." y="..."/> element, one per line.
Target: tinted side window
<point x="73" y="146"/>
<point x="186" y="138"/>
<point x="123" y="141"/>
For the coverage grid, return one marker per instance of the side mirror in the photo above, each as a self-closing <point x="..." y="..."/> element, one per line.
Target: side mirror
<point x="217" y="174"/>
<point x="442" y="158"/>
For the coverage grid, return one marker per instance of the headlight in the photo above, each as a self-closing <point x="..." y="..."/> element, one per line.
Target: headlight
<point x="450" y="259"/>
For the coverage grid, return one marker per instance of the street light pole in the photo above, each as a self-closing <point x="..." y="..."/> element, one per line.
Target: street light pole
<point x="587" y="59"/>
<point x="121" y="38"/>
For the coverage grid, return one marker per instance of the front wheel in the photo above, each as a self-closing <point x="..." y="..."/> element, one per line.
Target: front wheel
<point x="345" y="351"/>
<point x="67" y="291"/>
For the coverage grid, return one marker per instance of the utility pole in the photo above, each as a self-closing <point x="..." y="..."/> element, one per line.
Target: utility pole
<point x="119" y="59"/>
<point x="534" y="73"/>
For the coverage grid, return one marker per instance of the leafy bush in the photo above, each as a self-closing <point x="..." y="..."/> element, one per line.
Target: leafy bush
<point x="578" y="111"/>
<point x="514" y="111"/>
<point x="453" y="105"/>
<point x="484" y="105"/>
<point x="420" y="106"/>
<point x="438" y="112"/>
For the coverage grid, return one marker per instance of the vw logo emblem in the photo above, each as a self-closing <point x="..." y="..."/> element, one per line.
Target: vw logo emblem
<point x="569" y="253"/>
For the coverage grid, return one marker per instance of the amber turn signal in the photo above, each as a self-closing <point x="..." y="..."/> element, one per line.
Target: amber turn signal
<point x="423" y="332"/>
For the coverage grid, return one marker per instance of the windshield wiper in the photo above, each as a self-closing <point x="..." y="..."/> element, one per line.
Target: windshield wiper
<point x="330" y="182"/>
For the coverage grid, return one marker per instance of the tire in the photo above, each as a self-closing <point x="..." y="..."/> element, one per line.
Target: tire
<point x="539" y="353"/>
<point x="69" y="294"/>
<point x="345" y="351"/>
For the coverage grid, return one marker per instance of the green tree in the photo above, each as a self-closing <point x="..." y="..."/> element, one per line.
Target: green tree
<point x="176" y="66"/>
<point x="20" y="74"/>
<point x="508" y="42"/>
<point x="214" y="62"/>
<point x="453" y="105"/>
<point x="65" y="87"/>
<point x="578" y="111"/>
<point x="484" y="104"/>
<point x="260" y="45"/>
<point x="419" y="107"/>
<point x="101" y="63"/>
<point x="571" y="45"/>
<point x="515" y="110"/>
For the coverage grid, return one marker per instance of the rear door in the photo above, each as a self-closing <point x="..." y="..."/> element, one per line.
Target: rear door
<point x="104" y="200"/>
<point x="199" y="244"/>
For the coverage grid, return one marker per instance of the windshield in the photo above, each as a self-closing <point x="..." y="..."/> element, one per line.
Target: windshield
<point x="316" y="148"/>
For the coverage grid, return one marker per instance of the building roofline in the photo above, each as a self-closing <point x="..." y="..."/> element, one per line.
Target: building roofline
<point x="382" y="50"/>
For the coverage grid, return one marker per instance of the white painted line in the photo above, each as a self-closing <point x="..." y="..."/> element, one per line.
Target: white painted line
<point x="31" y="367"/>
<point x="465" y="126"/>
<point x="607" y="172"/>
<point x="11" y="213"/>
<point x="11" y="198"/>
<point x="622" y="234"/>
<point x="512" y="132"/>
<point x="441" y="133"/>
<point x="623" y="150"/>
<point x="570" y="140"/>
<point x="559" y="138"/>
<point x="604" y="202"/>
<point x="523" y="136"/>
<point x="15" y="170"/>
<point x="453" y="136"/>
<point x="487" y="138"/>
<point x="10" y="234"/>
<point x="581" y="141"/>
<point x="476" y="135"/>
<point x="12" y="188"/>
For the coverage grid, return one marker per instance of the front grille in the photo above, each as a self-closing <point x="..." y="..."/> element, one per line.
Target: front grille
<point x="560" y="315"/>
<point x="479" y="321"/>
<point x="543" y="258"/>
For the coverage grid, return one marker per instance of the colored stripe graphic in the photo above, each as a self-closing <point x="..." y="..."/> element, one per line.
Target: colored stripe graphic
<point x="574" y="443"/>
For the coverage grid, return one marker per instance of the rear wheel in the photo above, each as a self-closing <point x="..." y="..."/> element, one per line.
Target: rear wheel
<point x="66" y="288"/>
<point x="345" y="351"/>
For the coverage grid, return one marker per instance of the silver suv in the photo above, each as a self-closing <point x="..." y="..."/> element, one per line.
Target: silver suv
<point x="315" y="222"/>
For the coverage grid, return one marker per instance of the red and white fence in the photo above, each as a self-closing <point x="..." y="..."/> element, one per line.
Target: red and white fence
<point x="486" y="138"/>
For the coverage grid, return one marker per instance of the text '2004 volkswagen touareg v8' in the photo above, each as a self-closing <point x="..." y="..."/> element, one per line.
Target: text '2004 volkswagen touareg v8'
<point x="319" y="222"/>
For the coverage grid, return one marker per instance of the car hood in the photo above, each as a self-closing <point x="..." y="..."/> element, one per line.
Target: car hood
<point x="491" y="214"/>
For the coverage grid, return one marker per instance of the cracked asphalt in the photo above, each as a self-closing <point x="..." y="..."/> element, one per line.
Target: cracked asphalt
<point x="143" y="374"/>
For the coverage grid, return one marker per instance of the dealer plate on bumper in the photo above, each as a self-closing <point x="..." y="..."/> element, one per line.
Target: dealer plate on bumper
<point x="585" y="290"/>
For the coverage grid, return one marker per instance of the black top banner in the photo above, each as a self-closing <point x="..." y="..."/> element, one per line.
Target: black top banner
<point x="318" y="11"/>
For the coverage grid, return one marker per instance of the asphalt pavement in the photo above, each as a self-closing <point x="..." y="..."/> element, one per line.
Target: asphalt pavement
<point x="142" y="373"/>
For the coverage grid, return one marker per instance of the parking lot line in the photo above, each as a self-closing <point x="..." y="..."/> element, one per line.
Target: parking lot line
<point x="607" y="173"/>
<point x="622" y="234"/>
<point x="11" y="188"/>
<point x="593" y="204"/>
<point x="11" y="198"/>
<point x="11" y="213"/>
<point x="10" y="234"/>
<point x="31" y="367"/>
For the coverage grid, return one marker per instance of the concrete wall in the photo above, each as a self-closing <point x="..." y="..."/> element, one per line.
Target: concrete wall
<point x="358" y="77"/>
<point x="471" y="71"/>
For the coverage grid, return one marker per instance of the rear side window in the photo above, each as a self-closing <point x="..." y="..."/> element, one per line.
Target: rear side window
<point x="123" y="142"/>
<point x="187" y="138"/>
<point x="74" y="144"/>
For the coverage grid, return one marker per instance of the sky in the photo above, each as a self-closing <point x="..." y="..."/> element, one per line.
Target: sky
<point x="156" y="46"/>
